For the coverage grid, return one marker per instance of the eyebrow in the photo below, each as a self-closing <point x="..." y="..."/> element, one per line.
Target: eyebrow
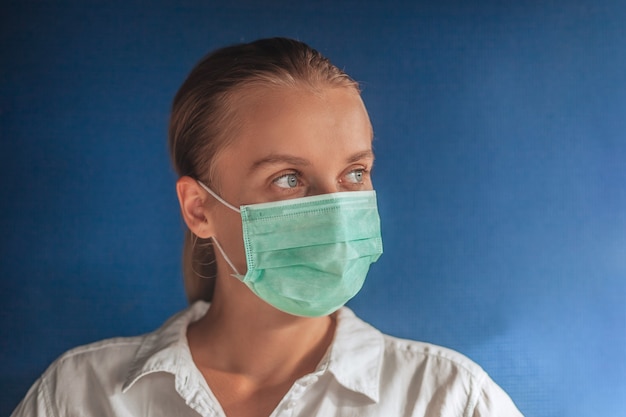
<point x="367" y="154"/>
<point x="273" y="159"/>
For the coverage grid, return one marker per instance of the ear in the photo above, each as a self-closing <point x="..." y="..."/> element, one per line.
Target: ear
<point x="194" y="208"/>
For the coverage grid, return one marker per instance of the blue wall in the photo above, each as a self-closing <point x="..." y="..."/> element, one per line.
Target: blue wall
<point x="500" y="140"/>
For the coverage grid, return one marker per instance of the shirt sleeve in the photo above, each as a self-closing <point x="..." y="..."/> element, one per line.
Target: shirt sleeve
<point x="36" y="403"/>
<point x="492" y="401"/>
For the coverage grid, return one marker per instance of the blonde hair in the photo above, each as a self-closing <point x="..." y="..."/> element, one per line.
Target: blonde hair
<point x="204" y="120"/>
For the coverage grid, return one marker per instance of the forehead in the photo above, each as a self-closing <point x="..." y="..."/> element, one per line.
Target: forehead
<point x="281" y="109"/>
<point x="313" y="124"/>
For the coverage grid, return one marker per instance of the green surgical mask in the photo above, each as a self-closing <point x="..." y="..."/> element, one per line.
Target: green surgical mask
<point x="308" y="256"/>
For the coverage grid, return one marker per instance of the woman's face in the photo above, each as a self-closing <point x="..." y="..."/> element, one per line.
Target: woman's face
<point x="292" y="143"/>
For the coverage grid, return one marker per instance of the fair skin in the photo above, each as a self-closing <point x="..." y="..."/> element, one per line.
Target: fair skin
<point x="293" y="142"/>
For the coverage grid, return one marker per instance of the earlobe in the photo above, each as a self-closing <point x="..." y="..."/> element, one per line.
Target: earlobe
<point x="193" y="207"/>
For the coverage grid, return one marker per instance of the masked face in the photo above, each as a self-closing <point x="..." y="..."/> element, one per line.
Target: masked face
<point x="296" y="144"/>
<point x="308" y="256"/>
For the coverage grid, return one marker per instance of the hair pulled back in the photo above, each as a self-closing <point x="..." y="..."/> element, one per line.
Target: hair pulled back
<point x="204" y="120"/>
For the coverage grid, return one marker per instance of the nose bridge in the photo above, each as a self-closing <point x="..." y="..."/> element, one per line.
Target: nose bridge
<point x="325" y="185"/>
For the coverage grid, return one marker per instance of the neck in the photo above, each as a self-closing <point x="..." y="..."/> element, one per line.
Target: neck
<point x="240" y="328"/>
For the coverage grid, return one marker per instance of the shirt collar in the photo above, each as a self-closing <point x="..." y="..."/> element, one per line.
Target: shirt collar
<point x="354" y="358"/>
<point x="167" y="350"/>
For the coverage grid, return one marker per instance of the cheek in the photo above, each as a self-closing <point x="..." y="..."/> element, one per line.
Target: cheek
<point x="228" y="226"/>
<point x="228" y="232"/>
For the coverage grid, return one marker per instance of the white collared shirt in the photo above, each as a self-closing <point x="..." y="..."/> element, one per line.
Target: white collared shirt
<point x="364" y="373"/>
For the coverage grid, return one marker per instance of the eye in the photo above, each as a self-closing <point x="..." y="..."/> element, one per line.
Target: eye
<point x="355" y="176"/>
<point x="287" y="181"/>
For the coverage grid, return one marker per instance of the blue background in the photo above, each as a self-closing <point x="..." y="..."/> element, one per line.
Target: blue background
<point x="500" y="139"/>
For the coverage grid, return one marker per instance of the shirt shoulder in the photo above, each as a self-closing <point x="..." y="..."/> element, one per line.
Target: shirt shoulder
<point x="94" y="351"/>
<point x="437" y="376"/>
<point x="92" y="379"/>
<point x="79" y="375"/>
<point x="415" y="353"/>
<point x="105" y="355"/>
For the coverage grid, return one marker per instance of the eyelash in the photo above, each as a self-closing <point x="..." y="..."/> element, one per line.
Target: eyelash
<point x="287" y="174"/>
<point x="362" y="171"/>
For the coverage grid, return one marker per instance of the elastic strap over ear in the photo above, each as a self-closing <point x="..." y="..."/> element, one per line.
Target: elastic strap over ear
<point x="218" y="198"/>
<point x="219" y="247"/>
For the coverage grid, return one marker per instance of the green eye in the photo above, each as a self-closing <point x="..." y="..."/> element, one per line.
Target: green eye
<point x="287" y="181"/>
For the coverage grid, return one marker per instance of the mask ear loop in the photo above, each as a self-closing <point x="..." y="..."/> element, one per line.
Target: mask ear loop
<point x="219" y="247"/>
<point x="218" y="198"/>
<point x="217" y="244"/>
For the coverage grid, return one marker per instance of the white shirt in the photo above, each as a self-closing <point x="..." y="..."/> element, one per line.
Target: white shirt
<point x="364" y="373"/>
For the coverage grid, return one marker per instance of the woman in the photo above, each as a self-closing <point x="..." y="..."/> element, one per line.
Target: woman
<point x="272" y="144"/>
